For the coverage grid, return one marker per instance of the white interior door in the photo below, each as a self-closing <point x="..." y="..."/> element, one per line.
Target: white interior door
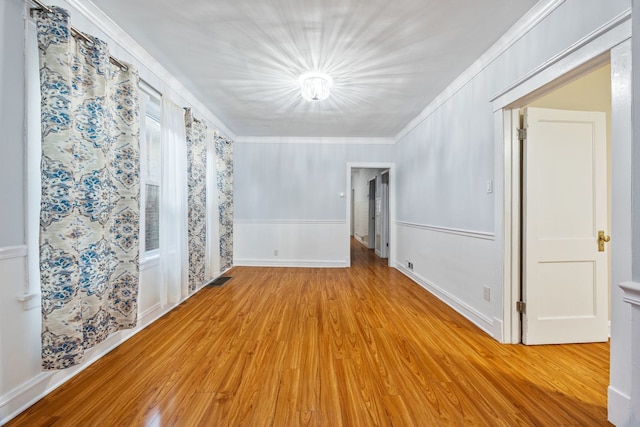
<point x="565" y="276"/>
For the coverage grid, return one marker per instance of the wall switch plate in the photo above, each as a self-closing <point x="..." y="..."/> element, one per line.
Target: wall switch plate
<point x="489" y="187"/>
<point x="487" y="293"/>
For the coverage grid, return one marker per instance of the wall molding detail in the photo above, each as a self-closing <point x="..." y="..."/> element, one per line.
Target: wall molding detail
<point x="149" y="311"/>
<point x="11" y="252"/>
<point x="457" y="231"/>
<point x="480" y="320"/>
<point x="315" y="140"/>
<point x="537" y="14"/>
<point x="30" y="300"/>
<point x="150" y="262"/>
<point x="290" y="221"/>
<point x="619" y="403"/>
<point x="595" y="34"/>
<point x="305" y="263"/>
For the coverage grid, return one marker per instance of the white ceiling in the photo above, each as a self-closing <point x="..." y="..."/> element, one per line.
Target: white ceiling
<point x="388" y="59"/>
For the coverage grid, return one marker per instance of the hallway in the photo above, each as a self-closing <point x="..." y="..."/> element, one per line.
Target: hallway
<point x="354" y="347"/>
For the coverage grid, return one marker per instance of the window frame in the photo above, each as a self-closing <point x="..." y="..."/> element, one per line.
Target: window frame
<point x="148" y="96"/>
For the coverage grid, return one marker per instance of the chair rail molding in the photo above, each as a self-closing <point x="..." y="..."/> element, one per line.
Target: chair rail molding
<point x="11" y="252"/>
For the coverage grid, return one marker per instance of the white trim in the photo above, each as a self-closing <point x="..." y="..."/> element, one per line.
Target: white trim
<point x="153" y="260"/>
<point x="30" y="300"/>
<point x="23" y="388"/>
<point x="619" y="403"/>
<point x="112" y="30"/>
<point x="604" y="35"/>
<point x="314" y="140"/>
<point x="583" y="54"/>
<point x="497" y="329"/>
<point x="631" y="292"/>
<point x="290" y="221"/>
<point x="510" y="120"/>
<point x="480" y="320"/>
<point x="149" y="311"/>
<point x="11" y="252"/>
<point x="310" y="263"/>
<point x="458" y="231"/>
<point x="540" y="11"/>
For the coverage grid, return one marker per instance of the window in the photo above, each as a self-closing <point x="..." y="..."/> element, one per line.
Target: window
<point x="150" y="154"/>
<point x="152" y="185"/>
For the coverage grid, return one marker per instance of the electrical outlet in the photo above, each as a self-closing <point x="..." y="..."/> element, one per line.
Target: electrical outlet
<point x="275" y="252"/>
<point x="409" y="265"/>
<point x="487" y="293"/>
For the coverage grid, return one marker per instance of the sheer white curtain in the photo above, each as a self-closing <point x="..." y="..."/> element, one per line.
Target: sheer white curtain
<point x="174" y="250"/>
<point x="212" y="267"/>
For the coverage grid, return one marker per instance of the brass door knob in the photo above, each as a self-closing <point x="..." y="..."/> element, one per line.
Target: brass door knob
<point x="602" y="239"/>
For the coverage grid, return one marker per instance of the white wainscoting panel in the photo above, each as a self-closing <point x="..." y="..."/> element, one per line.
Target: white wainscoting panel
<point x="454" y="265"/>
<point x="289" y="243"/>
<point x="149" y="291"/>
<point x="19" y="345"/>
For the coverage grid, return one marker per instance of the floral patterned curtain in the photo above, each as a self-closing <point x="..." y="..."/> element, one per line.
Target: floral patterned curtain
<point x="197" y="199"/>
<point x="224" y="172"/>
<point x="89" y="219"/>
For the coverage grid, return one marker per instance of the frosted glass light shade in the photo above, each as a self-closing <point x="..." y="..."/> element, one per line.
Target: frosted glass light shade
<point x="315" y="86"/>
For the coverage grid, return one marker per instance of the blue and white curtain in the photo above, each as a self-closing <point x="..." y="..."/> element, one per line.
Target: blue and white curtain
<point x="89" y="221"/>
<point x="197" y="199"/>
<point x="224" y="179"/>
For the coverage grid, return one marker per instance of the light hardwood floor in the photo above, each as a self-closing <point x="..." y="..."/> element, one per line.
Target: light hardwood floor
<point x="361" y="346"/>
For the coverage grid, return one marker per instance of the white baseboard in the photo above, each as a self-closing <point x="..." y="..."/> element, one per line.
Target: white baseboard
<point x="148" y="313"/>
<point x="619" y="407"/>
<point x="477" y="318"/>
<point x="360" y="240"/>
<point x="19" y="399"/>
<point x="498" y="329"/>
<point x="308" y="263"/>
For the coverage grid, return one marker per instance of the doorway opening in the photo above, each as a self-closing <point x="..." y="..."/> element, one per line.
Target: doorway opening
<point x="588" y="86"/>
<point x="370" y="206"/>
<point x="561" y="162"/>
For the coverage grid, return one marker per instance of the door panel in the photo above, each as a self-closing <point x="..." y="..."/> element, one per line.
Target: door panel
<point x="565" y="277"/>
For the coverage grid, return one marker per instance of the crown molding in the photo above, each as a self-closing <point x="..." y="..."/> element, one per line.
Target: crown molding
<point x="536" y="14"/>
<point x="139" y="55"/>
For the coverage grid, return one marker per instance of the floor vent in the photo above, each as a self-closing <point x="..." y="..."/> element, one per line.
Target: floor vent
<point x="219" y="281"/>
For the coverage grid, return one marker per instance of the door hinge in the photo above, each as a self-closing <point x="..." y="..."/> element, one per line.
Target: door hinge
<point x="522" y="134"/>
<point x="521" y="307"/>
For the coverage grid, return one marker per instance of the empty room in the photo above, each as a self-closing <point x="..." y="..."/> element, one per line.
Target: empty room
<point x="355" y="212"/>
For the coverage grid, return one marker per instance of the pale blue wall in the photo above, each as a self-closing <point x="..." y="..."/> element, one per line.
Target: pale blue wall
<point x="297" y="181"/>
<point x="12" y="183"/>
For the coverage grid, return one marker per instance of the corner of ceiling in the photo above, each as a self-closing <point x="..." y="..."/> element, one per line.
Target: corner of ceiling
<point x="533" y="17"/>
<point x="111" y="29"/>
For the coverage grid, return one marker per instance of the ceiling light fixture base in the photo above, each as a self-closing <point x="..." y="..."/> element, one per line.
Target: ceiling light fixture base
<point x="315" y="86"/>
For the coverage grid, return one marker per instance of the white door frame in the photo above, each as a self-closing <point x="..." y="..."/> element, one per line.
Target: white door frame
<point x="384" y="235"/>
<point x="610" y="42"/>
<point x="371" y="220"/>
<point x="392" y="208"/>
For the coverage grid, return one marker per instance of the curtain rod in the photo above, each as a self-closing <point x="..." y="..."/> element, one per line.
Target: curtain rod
<point x="76" y="32"/>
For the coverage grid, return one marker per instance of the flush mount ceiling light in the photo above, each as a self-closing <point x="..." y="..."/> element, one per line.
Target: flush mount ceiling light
<point x="315" y="86"/>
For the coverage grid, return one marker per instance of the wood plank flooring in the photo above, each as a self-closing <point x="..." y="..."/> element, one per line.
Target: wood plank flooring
<point x="363" y="346"/>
